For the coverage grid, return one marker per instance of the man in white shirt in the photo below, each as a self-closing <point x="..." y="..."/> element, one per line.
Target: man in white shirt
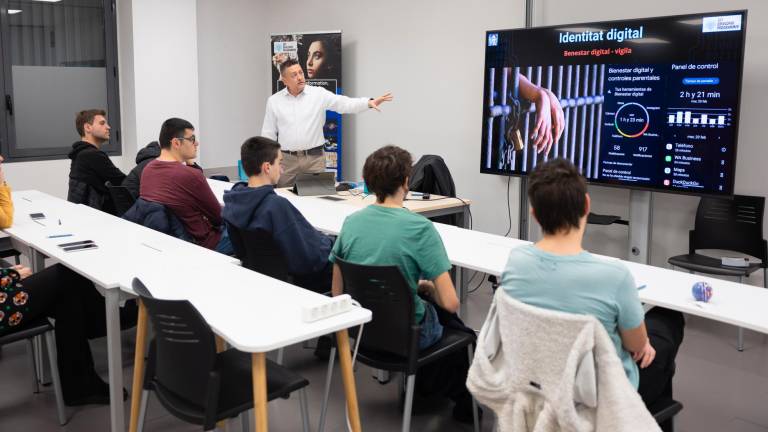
<point x="295" y="116"/>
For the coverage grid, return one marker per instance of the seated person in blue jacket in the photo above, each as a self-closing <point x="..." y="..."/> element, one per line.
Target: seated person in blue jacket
<point x="255" y="205"/>
<point x="557" y="273"/>
<point x="386" y="233"/>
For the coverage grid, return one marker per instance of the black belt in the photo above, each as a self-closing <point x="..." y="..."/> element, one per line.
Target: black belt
<point x="313" y="150"/>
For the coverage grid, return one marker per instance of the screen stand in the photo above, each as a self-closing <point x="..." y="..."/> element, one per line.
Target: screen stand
<point x="523" y="229"/>
<point x="640" y="224"/>
<point x="524" y="213"/>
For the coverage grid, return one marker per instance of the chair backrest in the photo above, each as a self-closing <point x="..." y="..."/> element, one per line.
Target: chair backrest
<point x="185" y="348"/>
<point x="219" y="177"/>
<point x="564" y="359"/>
<point x="431" y="175"/>
<point x="121" y="198"/>
<point x="730" y="224"/>
<point x="258" y="252"/>
<point x="80" y="192"/>
<point x="157" y="217"/>
<point x="384" y="291"/>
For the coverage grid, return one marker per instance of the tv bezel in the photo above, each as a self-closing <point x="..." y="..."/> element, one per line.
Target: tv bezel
<point x="732" y="180"/>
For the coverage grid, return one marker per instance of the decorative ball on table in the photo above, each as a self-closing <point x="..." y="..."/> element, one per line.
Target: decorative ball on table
<point x="702" y="291"/>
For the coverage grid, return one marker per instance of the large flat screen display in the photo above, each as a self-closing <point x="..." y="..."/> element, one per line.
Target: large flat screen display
<point x="646" y="103"/>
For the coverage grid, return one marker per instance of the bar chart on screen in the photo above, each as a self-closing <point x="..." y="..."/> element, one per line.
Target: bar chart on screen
<point x="699" y="117"/>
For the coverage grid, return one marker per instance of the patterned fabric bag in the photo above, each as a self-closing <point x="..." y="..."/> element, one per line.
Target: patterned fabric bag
<point x="13" y="299"/>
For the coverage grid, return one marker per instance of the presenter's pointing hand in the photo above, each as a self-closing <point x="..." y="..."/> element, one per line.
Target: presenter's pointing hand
<point x="374" y="103"/>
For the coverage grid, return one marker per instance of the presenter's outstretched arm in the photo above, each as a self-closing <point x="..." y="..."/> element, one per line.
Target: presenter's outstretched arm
<point x="374" y="103"/>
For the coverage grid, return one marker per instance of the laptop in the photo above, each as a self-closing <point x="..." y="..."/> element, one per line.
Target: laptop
<point x="314" y="184"/>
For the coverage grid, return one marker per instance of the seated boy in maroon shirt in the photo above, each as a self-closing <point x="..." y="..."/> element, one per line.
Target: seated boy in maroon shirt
<point x="167" y="180"/>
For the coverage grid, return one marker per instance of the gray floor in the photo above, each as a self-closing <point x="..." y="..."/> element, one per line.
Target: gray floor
<point x="721" y="389"/>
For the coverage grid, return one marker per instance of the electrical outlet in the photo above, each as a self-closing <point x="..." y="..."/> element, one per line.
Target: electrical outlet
<point x="329" y="307"/>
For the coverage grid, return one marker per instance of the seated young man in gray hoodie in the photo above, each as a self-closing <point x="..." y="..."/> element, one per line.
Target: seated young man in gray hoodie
<point x="255" y="205"/>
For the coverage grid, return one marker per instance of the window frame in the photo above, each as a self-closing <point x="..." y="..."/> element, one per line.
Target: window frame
<point x="8" y="148"/>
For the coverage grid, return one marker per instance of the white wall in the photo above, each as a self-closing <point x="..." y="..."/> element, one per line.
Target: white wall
<point x="233" y="48"/>
<point x="429" y="54"/>
<point x="157" y="43"/>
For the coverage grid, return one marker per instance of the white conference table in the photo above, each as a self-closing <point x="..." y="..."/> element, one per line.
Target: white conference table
<point x="733" y="303"/>
<point x="328" y="216"/>
<point x="112" y="266"/>
<point x="243" y="300"/>
<point x="256" y="314"/>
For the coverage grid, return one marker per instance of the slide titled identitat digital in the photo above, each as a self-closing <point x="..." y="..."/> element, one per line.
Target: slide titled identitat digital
<point x="650" y="103"/>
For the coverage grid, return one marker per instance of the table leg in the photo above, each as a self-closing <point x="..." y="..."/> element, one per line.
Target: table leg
<point x="36" y="260"/>
<point x="37" y="264"/>
<point x="347" y="375"/>
<point x="115" y="361"/>
<point x="138" y="366"/>
<point x="221" y="346"/>
<point x="464" y="217"/>
<point x="259" y="370"/>
<point x="461" y="279"/>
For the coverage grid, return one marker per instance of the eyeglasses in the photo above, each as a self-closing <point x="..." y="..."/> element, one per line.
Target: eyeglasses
<point x="192" y="139"/>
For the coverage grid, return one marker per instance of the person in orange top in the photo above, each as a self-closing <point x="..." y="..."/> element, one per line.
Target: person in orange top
<point x="59" y="293"/>
<point x="6" y="205"/>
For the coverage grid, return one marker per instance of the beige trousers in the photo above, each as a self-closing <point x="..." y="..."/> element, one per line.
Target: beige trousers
<point x="295" y="164"/>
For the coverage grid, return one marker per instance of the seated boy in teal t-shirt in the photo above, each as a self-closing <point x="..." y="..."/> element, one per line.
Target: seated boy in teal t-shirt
<point x="385" y="233"/>
<point x="556" y="273"/>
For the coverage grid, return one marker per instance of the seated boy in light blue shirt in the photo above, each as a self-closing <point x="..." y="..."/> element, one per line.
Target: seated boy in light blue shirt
<point x="556" y="273"/>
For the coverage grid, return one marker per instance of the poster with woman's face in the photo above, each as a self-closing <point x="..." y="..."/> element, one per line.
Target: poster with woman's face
<point x="319" y="55"/>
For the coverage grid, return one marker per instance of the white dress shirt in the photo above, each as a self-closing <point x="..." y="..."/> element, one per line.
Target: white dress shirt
<point x="296" y="122"/>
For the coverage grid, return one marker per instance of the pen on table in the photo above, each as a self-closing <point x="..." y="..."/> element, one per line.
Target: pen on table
<point x="641" y="287"/>
<point x="151" y="247"/>
<point x="59" y="235"/>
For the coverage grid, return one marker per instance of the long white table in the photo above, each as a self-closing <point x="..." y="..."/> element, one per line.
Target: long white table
<point x="253" y="313"/>
<point x="733" y="303"/>
<point x="124" y="251"/>
<point x="243" y="302"/>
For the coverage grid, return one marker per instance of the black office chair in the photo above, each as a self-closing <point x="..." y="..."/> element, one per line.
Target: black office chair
<point x="29" y="331"/>
<point x="219" y="177"/>
<point x="7" y="251"/>
<point x="258" y="252"/>
<point x="191" y="380"/>
<point x="121" y="198"/>
<point x="391" y="340"/>
<point x="664" y="412"/>
<point x="727" y="224"/>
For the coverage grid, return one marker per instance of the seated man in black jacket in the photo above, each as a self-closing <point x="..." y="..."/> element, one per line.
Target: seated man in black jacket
<point x="255" y="205"/>
<point x="91" y="167"/>
<point x="143" y="157"/>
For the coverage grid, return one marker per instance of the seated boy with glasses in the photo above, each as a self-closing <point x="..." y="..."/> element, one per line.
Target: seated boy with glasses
<point x="169" y="181"/>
